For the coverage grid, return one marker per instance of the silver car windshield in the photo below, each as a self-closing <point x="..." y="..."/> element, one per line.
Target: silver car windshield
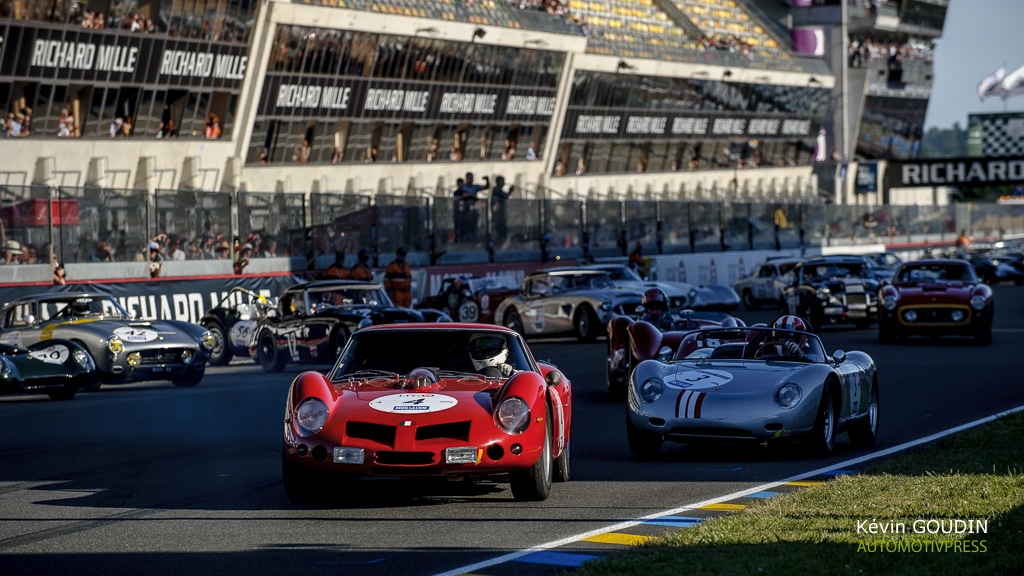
<point x="81" y="307"/>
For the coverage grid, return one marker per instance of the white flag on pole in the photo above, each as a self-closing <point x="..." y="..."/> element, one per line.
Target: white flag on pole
<point x="1012" y="84"/>
<point x="991" y="85"/>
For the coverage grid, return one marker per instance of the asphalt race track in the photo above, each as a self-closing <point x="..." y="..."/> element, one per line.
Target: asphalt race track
<point x="151" y="479"/>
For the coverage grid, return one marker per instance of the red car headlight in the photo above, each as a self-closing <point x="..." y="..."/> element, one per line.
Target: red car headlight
<point x="512" y="415"/>
<point x="310" y="416"/>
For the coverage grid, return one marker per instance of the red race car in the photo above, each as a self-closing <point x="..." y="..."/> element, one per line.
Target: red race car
<point x="935" y="298"/>
<point x="657" y="335"/>
<point x="428" y="400"/>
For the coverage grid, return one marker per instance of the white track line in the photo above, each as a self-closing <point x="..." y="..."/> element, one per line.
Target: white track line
<point x="763" y="487"/>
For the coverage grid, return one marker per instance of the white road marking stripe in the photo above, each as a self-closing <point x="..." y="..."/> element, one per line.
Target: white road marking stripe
<point x="630" y="523"/>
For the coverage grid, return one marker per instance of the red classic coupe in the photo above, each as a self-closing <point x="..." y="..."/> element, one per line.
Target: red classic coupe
<point x="935" y="297"/>
<point x="428" y="400"/>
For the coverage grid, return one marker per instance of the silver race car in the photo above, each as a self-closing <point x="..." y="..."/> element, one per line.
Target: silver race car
<point x="124" y="349"/>
<point x="566" y="300"/>
<point x="757" y="384"/>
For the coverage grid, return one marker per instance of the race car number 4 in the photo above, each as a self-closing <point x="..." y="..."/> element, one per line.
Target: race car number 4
<point x="413" y="403"/>
<point x="697" y="379"/>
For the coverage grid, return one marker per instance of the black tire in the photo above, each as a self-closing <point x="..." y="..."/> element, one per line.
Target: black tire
<point x="303" y="486"/>
<point x="823" y="436"/>
<point x="65" y="392"/>
<point x="984" y="335"/>
<point x="616" y="385"/>
<point x="749" y="302"/>
<point x="534" y="484"/>
<point x="584" y="322"/>
<point x="643" y="445"/>
<point x="513" y="322"/>
<point x="98" y="381"/>
<point x="467" y="311"/>
<point x="189" y="379"/>
<point x="562" y="463"/>
<point x="267" y="354"/>
<point x="865" y="431"/>
<point x="221" y="354"/>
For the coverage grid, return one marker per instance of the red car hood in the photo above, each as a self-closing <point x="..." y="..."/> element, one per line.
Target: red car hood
<point x="445" y="394"/>
<point x="936" y="291"/>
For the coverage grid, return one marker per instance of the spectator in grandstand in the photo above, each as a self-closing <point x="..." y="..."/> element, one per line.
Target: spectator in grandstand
<point x="242" y="260"/>
<point x="361" y="269"/>
<point x="222" y="251"/>
<point x="59" y="273"/>
<point x="559" y="168"/>
<point x="499" y="200"/>
<point x="156" y="260"/>
<point x="269" y="248"/>
<point x="12" y="128"/>
<point x="398" y="280"/>
<point x="531" y="152"/>
<point x="65" y="124"/>
<point x="102" y="253"/>
<point x="127" y="128"/>
<point x="213" y="130"/>
<point x="174" y="251"/>
<point x="337" y="270"/>
<point x="195" y="251"/>
<point x="115" y="127"/>
<point x="12" y="252"/>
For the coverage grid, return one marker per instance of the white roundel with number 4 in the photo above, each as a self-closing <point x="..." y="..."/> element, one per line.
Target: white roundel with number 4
<point x="698" y="379"/>
<point x="53" y="354"/>
<point x="131" y="334"/>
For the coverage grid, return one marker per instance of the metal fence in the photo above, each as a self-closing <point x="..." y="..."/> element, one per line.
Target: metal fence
<point x="78" y="222"/>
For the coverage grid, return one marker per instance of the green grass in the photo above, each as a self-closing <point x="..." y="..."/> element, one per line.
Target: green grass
<point x="975" y="475"/>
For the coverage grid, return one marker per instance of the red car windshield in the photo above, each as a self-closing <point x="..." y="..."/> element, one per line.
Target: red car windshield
<point x="401" y="351"/>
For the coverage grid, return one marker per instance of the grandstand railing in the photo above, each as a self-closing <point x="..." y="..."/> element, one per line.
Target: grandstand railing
<point x="74" y="221"/>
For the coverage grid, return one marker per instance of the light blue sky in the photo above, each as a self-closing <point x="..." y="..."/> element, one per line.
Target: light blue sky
<point x="979" y="36"/>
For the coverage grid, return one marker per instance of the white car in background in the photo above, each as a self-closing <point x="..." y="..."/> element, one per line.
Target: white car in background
<point x="764" y="285"/>
<point x="681" y="295"/>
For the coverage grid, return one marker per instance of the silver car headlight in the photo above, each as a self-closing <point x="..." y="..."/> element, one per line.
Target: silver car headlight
<point x="207" y="340"/>
<point x="651" y="389"/>
<point x="512" y="415"/>
<point x="910" y="316"/>
<point x="788" y="395"/>
<point x="83" y="359"/>
<point x="115" y="345"/>
<point x="606" y="305"/>
<point x="956" y="315"/>
<point x="889" y="303"/>
<point x="978" y="302"/>
<point x="310" y="416"/>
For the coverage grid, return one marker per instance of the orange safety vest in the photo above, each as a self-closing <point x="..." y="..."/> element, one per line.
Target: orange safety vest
<point x="398" y="277"/>
<point x="336" y="271"/>
<point x="360" y="271"/>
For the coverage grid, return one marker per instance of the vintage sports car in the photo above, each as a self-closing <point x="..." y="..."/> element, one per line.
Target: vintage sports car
<point x="993" y="267"/>
<point x="935" y="298"/>
<point x="429" y="400"/>
<point x="682" y="295"/>
<point x="232" y="321"/>
<point x="57" y="368"/>
<point x="766" y="282"/>
<point x="314" y="320"/>
<point x="767" y="384"/>
<point x="832" y="290"/>
<point x="470" y="299"/>
<point x="123" y="348"/>
<point x="631" y="342"/>
<point x="566" y="300"/>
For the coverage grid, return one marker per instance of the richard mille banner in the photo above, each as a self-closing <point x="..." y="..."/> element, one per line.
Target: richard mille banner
<point x="82" y="55"/>
<point x="956" y="172"/>
<point x="334" y="97"/>
<point x="603" y="123"/>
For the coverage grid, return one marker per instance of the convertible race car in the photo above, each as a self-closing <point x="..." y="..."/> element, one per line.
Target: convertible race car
<point x="314" y="320"/>
<point x="123" y="349"/>
<point x="57" y="368"/>
<point x="832" y="290"/>
<point x="470" y="299"/>
<point x="935" y="298"/>
<point x="232" y="322"/>
<point x="767" y="384"/>
<point x="566" y="300"/>
<point x="429" y="400"/>
<point x="657" y="334"/>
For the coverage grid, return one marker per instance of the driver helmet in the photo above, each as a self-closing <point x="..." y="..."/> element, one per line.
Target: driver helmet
<point x="655" y="302"/>
<point x="790" y="322"/>
<point x="487" y="350"/>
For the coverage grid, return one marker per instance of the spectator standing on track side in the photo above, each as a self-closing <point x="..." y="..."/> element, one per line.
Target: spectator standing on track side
<point x="398" y="280"/>
<point x="499" y="201"/>
<point x="338" y="270"/>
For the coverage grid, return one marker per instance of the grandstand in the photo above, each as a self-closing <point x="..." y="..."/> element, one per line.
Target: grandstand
<point x="658" y="100"/>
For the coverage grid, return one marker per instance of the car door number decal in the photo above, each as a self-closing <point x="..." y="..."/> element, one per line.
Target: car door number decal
<point x="241" y="332"/>
<point x="405" y="403"/>
<point x="130" y="334"/>
<point x="699" y="379"/>
<point x="54" y="354"/>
